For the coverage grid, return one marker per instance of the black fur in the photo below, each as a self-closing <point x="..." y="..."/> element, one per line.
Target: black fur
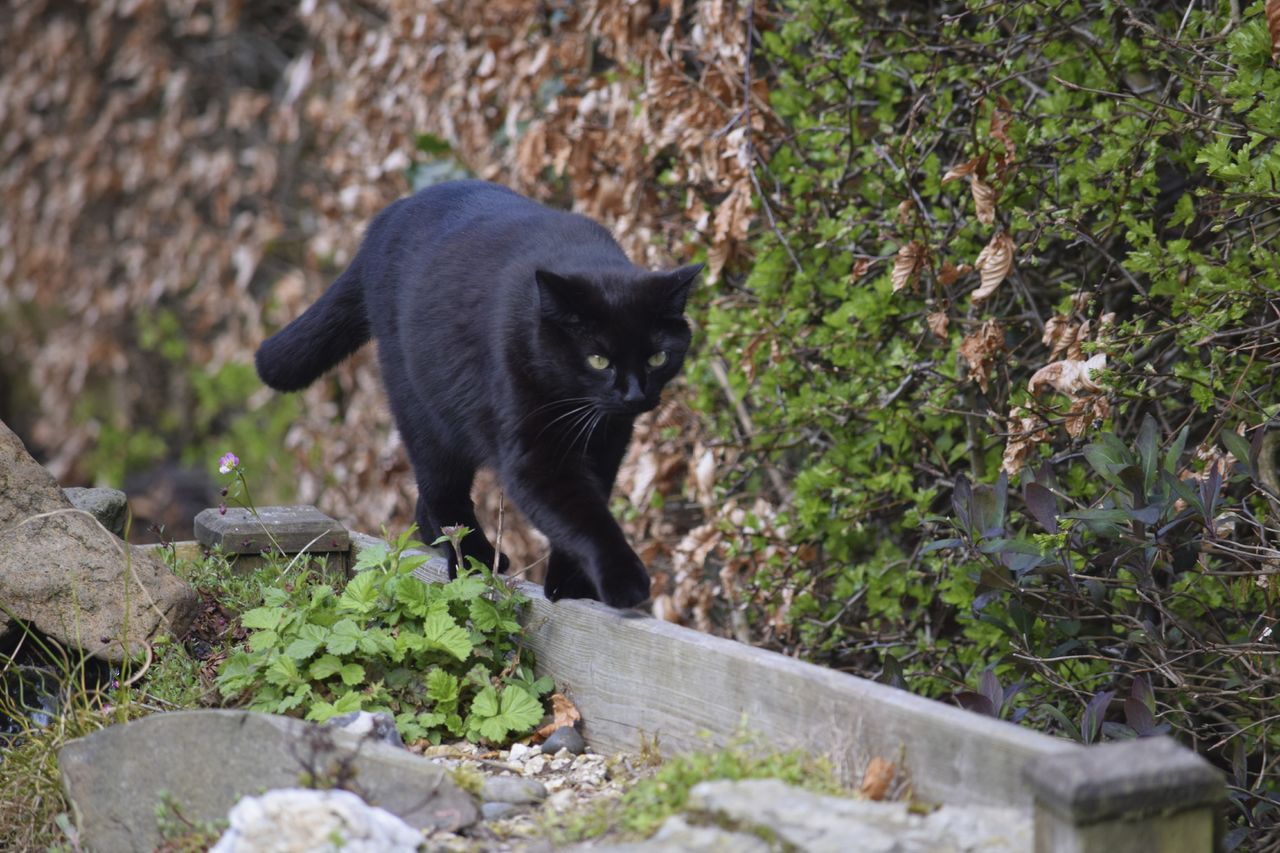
<point x="487" y="307"/>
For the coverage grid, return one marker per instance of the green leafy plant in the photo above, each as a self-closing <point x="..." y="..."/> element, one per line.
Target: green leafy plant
<point x="443" y="659"/>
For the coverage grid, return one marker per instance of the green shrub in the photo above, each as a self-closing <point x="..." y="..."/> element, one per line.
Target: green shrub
<point x="1122" y="157"/>
<point x="443" y="659"/>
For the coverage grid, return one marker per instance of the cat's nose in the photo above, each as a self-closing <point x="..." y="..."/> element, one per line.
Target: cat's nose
<point x="633" y="395"/>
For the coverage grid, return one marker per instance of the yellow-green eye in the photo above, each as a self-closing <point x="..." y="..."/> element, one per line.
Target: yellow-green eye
<point x="658" y="359"/>
<point x="598" y="362"/>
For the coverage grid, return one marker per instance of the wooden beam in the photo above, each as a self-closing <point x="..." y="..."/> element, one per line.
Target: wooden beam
<point x="634" y="676"/>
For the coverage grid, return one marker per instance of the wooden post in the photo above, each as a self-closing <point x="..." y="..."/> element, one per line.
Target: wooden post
<point x="1138" y="796"/>
<point x="294" y="529"/>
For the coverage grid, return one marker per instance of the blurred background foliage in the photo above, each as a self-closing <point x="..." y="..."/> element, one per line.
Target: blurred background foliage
<point x="988" y="350"/>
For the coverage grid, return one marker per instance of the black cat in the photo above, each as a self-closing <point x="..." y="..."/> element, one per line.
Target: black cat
<point x="509" y="335"/>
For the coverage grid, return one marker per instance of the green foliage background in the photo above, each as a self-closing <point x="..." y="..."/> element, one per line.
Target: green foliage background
<point x="1143" y="178"/>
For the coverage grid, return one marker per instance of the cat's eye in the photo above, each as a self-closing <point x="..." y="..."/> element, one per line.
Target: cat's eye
<point x="658" y="359"/>
<point x="598" y="362"/>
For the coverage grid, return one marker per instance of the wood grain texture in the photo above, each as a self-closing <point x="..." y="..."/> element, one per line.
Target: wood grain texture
<point x="631" y="676"/>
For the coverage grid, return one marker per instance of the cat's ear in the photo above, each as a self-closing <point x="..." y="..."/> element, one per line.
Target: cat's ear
<point x="559" y="298"/>
<point x="676" y="286"/>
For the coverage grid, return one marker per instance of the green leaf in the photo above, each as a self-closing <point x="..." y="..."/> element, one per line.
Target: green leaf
<point x="373" y="557"/>
<point x="495" y="716"/>
<point x="322" y="710"/>
<point x="343" y="638"/>
<point x="310" y="638"/>
<point x="283" y="671"/>
<point x="442" y="687"/>
<point x="352" y="673"/>
<point x="361" y="594"/>
<point x="439" y="631"/>
<point x="324" y="667"/>
<point x="262" y="618"/>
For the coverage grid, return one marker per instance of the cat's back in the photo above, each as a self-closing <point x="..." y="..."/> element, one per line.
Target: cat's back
<point x="490" y="224"/>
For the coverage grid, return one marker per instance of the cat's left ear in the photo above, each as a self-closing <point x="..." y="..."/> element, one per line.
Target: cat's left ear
<point x="676" y="286"/>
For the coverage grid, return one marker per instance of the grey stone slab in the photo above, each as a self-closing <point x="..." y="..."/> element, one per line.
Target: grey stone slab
<point x="109" y="506"/>
<point x="677" y="835"/>
<point x="815" y="823"/>
<point x="1124" y="779"/>
<point x="295" y="529"/>
<point x="207" y="760"/>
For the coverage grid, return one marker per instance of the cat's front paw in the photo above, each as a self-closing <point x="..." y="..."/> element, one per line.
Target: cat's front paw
<point x="625" y="585"/>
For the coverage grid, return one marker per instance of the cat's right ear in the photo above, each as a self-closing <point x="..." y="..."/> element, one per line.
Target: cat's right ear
<point x="559" y="298"/>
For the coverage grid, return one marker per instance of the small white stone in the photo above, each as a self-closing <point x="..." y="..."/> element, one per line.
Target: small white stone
<point x="535" y="765"/>
<point x="563" y="754"/>
<point x="518" y="753"/>
<point x="558" y="765"/>
<point x="561" y="800"/>
<point x="304" y="819"/>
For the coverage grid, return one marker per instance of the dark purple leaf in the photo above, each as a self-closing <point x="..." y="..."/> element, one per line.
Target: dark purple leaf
<point x="1094" y="712"/>
<point x="989" y="686"/>
<point x="1141" y="690"/>
<point x="976" y="702"/>
<point x="1139" y="717"/>
<point x="962" y="503"/>
<point x="1042" y="504"/>
<point x="1118" y="731"/>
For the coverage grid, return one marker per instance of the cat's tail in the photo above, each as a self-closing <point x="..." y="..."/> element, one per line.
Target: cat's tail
<point x="334" y="327"/>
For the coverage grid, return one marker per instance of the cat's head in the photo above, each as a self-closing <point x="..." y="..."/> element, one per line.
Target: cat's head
<point x="618" y="337"/>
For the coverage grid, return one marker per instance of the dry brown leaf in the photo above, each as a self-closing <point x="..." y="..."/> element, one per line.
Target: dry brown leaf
<point x="963" y="170"/>
<point x="563" y="713"/>
<point x="907" y="266"/>
<point x="1000" y="118"/>
<point x="1273" y="25"/>
<point x="938" y="322"/>
<point x="1069" y="376"/>
<point x="1026" y="430"/>
<point x="1085" y="411"/>
<point x="993" y="263"/>
<point x="984" y="201"/>
<point x="860" y="267"/>
<point x="950" y="273"/>
<point x="904" y="211"/>
<point x="980" y="350"/>
<point x="1075" y="347"/>
<point x="1059" y="333"/>
<point x="877" y="778"/>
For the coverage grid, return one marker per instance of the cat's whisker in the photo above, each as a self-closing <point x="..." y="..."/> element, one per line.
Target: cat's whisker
<point x="578" y="411"/>
<point x="567" y="401"/>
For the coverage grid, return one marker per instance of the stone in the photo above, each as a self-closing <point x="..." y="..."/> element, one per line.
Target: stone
<point x="513" y="789"/>
<point x="109" y="506"/>
<point x="497" y="811"/>
<point x="61" y="573"/>
<point x="380" y="726"/>
<point x="295" y="529"/>
<point x="519" y="752"/>
<point x="565" y="737"/>
<point x="207" y="761"/>
<point x="817" y="823"/>
<point x="677" y="835"/>
<point x="307" y="819"/>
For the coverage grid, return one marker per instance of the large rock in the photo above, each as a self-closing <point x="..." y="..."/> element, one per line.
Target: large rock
<point x="206" y="761"/>
<point x="61" y="572"/>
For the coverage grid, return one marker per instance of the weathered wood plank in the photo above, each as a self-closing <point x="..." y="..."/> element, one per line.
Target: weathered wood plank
<point x="631" y="675"/>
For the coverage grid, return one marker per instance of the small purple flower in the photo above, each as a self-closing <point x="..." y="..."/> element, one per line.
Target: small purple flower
<point x="222" y="509"/>
<point x="228" y="463"/>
